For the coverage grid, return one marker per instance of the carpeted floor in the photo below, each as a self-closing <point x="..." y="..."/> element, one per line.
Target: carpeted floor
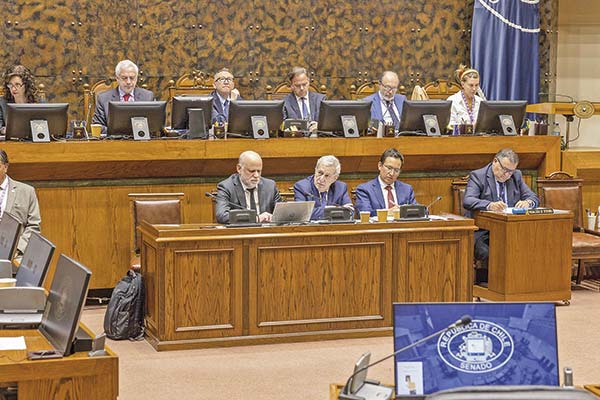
<point x="305" y="370"/>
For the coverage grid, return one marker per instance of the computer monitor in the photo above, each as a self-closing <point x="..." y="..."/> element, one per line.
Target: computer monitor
<point x="504" y="344"/>
<point x="65" y="302"/>
<point x="331" y="111"/>
<point x="488" y="118"/>
<point x="242" y="111"/>
<point x="121" y="112"/>
<point x="413" y="112"/>
<point x="10" y="230"/>
<point x="35" y="261"/>
<point x="181" y="104"/>
<point x="19" y="116"/>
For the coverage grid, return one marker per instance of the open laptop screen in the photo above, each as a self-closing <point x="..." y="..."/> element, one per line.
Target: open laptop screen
<point x="505" y="344"/>
<point x="292" y="212"/>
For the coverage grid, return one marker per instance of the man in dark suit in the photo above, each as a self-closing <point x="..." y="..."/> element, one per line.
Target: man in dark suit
<point x="126" y="73"/>
<point x="247" y="189"/>
<point x="301" y="103"/>
<point x="495" y="187"/>
<point x="223" y="94"/>
<point x="323" y="187"/>
<point x="386" y="104"/>
<point x="20" y="200"/>
<point x="385" y="191"/>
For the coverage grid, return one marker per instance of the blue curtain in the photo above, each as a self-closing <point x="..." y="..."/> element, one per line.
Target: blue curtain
<point x="504" y="48"/>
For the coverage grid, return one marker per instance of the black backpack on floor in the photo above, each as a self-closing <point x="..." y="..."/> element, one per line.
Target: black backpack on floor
<point x="124" y="318"/>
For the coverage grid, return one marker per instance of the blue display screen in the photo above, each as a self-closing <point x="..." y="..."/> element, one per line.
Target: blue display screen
<point x="505" y="344"/>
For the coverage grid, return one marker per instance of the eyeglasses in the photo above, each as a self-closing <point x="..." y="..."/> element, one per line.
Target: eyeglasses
<point x="388" y="88"/>
<point x="504" y="169"/>
<point x="392" y="169"/>
<point x="15" y="85"/>
<point x="127" y="78"/>
<point x="225" y="80"/>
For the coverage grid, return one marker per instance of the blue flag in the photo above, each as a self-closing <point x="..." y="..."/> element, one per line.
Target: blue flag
<point x="504" y="48"/>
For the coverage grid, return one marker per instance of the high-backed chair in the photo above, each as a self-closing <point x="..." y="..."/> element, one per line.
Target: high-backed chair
<point x="155" y="208"/>
<point x="283" y="89"/>
<point x="458" y="194"/>
<point x="195" y="83"/>
<point x="440" y="89"/>
<point x="562" y="191"/>
<point x="368" y="88"/>
<point x="89" y="97"/>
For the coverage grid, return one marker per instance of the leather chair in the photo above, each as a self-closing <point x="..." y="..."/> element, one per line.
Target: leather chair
<point x="283" y="89"/>
<point x="155" y="208"/>
<point x="562" y="191"/>
<point x="440" y="89"/>
<point x="458" y="194"/>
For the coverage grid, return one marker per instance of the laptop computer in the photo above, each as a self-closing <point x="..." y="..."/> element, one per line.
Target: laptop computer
<point x="359" y="387"/>
<point x="505" y="344"/>
<point x="292" y="212"/>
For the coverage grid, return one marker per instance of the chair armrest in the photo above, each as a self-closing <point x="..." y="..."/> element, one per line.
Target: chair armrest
<point x="591" y="232"/>
<point x="22" y="299"/>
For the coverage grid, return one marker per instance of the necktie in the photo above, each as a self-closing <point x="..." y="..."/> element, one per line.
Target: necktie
<point x="305" y="113"/>
<point x="390" y="196"/>
<point x="252" y="201"/>
<point x="502" y="193"/>
<point x="226" y="109"/>
<point x="126" y="97"/>
<point x="395" y="120"/>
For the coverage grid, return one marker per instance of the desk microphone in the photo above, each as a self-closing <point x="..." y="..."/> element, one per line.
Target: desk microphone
<point x="432" y="203"/>
<point x="566" y="96"/>
<point x="238" y="206"/>
<point x="464" y="320"/>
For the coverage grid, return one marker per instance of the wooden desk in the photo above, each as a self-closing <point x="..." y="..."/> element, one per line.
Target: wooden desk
<point x="75" y="377"/>
<point x="83" y="186"/>
<point x="530" y="257"/>
<point x="210" y="286"/>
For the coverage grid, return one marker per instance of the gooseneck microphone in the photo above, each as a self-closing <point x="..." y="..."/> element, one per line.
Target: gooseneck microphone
<point x="566" y="96"/>
<point x="433" y="202"/>
<point x="464" y="320"/>
<point x="238" y="206"/>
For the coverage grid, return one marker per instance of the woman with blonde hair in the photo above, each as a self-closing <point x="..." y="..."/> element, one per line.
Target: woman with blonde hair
<point x="465" y="103"/>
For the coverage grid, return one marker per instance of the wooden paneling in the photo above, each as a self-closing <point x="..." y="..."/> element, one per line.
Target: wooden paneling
<point x="224" y="287"/>
<point x="585" y="163"/>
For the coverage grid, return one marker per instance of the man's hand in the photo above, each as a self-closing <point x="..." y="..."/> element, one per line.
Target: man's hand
<point x="523" y="204"/>
<point x="496" y="206"/>
<point x="265" y="217"/>
<point x="235" y="94"/>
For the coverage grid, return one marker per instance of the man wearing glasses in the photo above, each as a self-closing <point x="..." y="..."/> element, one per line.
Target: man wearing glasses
<point x="302" y="103"/>
<point x="224" y="93"/>
<point x="386" y="104"/>
<point x="247" y="189"/>
<point x="495" y="187"/>
<point x="126" y="73"/>
<point x="385" y="191"/>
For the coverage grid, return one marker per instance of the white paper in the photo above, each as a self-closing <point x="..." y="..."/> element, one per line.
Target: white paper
<point x="409" y="377"/>
<point x="12" y="343"/>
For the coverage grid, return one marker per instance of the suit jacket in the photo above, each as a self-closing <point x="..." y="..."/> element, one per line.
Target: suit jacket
<point x="218" y="114"/>
<point x="101" y="111"/>
<point x="369" y="196"/>
<point x="337" y="195"/>
<point x="377" y="112"/>
<point x="481" y="190"/>
<point x="23" y="204"/>
<point x="231" y="191"/>
<point x="292" y="110"/>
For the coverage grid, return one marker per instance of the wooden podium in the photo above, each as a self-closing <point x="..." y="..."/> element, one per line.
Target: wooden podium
<point x="530" y="256"/>
<point x="581" y="109"/>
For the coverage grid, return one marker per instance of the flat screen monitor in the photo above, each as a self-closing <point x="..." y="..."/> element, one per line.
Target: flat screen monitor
<point x="19" y="116"/>
<point x="10" y="230"/>
<point x="181" y="104"/>
<point x="413" y="111"/>
<point x="242" y="111"/>
<point x="35" y="261"/>
<point x="65" y="302"/>
<point x="505" y="344"/>
<point x="488" y="118"/>
<point x="121" y="112"/>
<point x="331" y="111"/>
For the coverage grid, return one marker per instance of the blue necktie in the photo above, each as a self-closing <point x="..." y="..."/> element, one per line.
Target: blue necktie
<point x="502" y="193"/>
<point x="395" y="119"/>
<point x="305" y="113"/>
<point x="226" y="109"/>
